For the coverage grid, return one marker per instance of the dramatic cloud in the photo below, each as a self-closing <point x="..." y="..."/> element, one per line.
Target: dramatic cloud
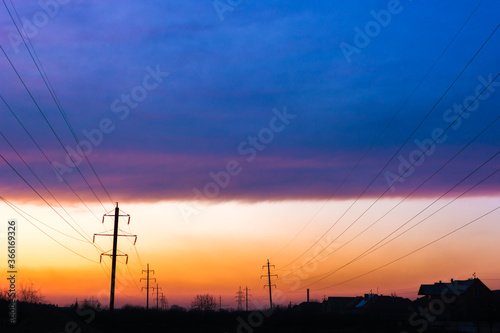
<point x="167" y="98"/>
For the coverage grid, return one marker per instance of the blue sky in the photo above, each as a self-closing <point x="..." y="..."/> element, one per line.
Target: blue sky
<point x="225" y="78"/>
<point x="263" y="113"/>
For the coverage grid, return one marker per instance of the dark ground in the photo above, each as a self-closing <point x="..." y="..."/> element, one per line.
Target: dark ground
<point x="41" y="318"/>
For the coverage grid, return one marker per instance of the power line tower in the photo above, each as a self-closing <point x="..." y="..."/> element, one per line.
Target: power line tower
<point x="163" y="302"/>
<point x="269" y="282"/>
<point x="147" y="284"/>
<point x="157" y="298"/>
<point x="114" y="254"/>
<point x="246" y="298"/>
<point x="239" y="299"/>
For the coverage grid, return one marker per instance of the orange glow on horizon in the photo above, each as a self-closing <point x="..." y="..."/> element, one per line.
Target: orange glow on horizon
<point x="226" y="247"/>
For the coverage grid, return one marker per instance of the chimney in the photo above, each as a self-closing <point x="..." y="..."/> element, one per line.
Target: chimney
<point x="307" y="295"/>
<point x="452" y="281"/>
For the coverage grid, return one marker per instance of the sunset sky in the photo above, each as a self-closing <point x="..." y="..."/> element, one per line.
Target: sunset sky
<point x="234" y="132"/>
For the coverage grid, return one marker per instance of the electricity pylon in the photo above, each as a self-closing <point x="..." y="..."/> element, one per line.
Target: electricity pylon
<point x="147" y="284"/>
<point x="157" y="298"/>
<point x="239" y="299"/>
<point x="269" y="282"/>
<point x="246" y="298"/>
<point x="163" y="302"/>
<point x="113" y="256"/>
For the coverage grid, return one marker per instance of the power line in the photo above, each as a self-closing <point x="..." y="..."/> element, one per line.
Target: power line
<point x="395" y="154"/>
<point x="416" y="250"/>
<point x="40" y="181"/>
<point x="45" y="155"/>
<point x="374" y="248"/>
<point x="50" y="126"/>
<point x="409" y="168"/>
<point x="27" y="183"/>
<point x="50" y="88"/>
<point x="41" y="197"/>
<point x="134" y="246"/>
<point x="366" y="252"/>
<point x="133" y="279"/>
<point x="17" y="210"/>
<point x="382" y="132"/>
<point x="43" y="232"/>
<point x="421" y="211"/>
<point x="418" y="187"/>
<point x="441" y="208"/>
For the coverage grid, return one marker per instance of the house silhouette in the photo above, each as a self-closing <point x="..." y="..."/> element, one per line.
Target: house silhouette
<point x="458" y="301"/>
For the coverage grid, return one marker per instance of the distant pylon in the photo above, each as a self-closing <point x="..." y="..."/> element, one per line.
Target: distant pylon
<point x="163" y="302"/>
<point x="147" y="284"/>
<point x="239" y="299"/>
<point x="269" y="282"/>
<point x="246" y="298"/>
<point x="157" y="297"/>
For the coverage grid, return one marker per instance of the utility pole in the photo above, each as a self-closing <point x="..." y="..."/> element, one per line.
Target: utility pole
<point x="163" y="302"/>
<point x="246" y="297"/>
<point x="156" y="295"/>
<point x="239" y="299"/>
<point x="114" y="251"/>
<point x="113" y="266"/>
<point x="147" y="284"/>
<point x="269" y="282"/>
